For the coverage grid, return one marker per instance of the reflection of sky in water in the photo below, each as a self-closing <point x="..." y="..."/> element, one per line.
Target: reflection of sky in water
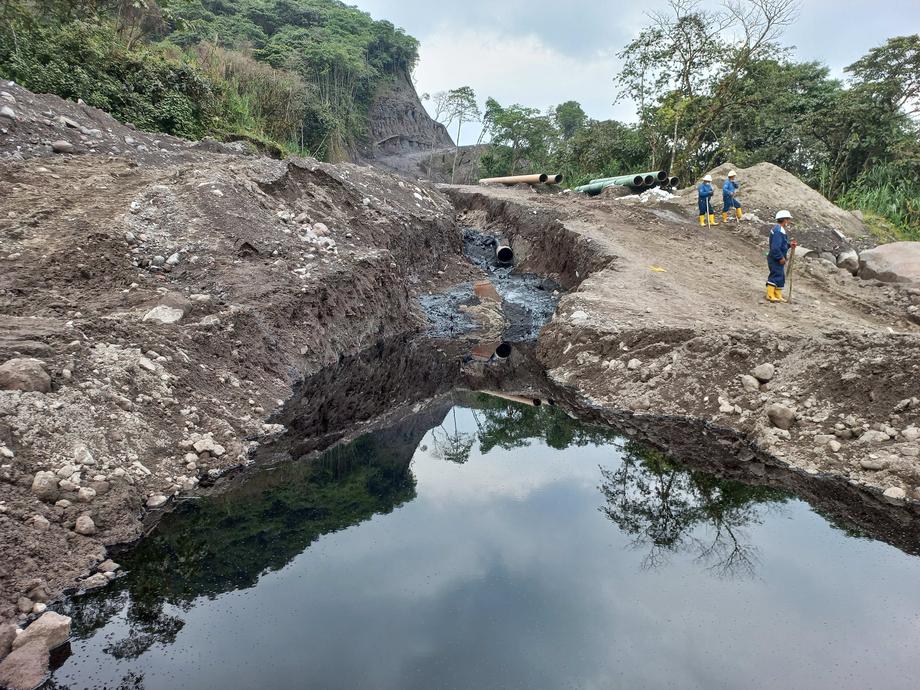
<point x="503" y="572"/>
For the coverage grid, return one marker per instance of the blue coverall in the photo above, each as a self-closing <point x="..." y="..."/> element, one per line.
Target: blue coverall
<point x="705" y="200"/>
<point x="728" y="196"/>
<point x="779" y="245"/>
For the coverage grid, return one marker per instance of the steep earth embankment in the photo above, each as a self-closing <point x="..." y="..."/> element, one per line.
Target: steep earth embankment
<point x="398" y="123"/>
<point x="668" y="329"/>
<point x="158" y="300"/>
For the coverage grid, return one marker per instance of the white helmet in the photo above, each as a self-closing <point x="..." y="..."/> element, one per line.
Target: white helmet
<point x="708" y="178"/>
<point x="783" y="215"/>
<point x="732" y="173"/>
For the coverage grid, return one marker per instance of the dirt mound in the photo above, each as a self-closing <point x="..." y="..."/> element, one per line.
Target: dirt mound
<point x="766" y="189"/>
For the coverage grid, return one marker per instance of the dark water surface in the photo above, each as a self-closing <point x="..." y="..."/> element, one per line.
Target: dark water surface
<point x="482" y="544"/>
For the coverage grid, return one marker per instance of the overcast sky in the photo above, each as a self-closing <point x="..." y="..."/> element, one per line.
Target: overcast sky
<point x="543" y="52"/>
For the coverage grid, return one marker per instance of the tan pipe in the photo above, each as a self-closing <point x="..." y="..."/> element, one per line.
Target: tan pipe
<point x="554" y="179"/>
<point x="516" y="179"/>
<point x="533" y="402"/>
<point x="487" y="351"/>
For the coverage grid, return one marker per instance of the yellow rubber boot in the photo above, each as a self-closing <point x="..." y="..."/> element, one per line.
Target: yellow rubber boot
<point x="702" y="221"/>
<point x="712" y="219"/>
<point x="778" y="293"/>
<point x="738" y="213"/>
<point x="770" y="297"/>
<point x="724" y="216"/>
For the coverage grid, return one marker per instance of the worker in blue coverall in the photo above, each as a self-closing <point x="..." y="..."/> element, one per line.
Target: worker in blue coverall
<point x="776" y="258"/>
<point x="729" y="201"/>
<point x="705" y="202"/>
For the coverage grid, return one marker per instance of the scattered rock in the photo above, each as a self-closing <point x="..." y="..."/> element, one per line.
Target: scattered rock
<point x="764" y="373"/>
<point x="24" y="374"/>
<point x="848" y="260"/>
<point x="108" y="566"/>
<point x="209" y="321"/>
<point x="780" y="416"/>
<point x="45" y="486"/>
<point x="874" y="464"/>
<point x="94" y="581"/>
<point x="24" y="604"/>
<point x="82" y="456"/>
<point x="85" y="526"/>
<point x="579" y="315"/>
<point x="895" y="495"/>
<point x="163" y="314"/>
<point x="873" y="436"/>
<point x="633" y="364"/>
<point x="62" y="146"/>
<point x="26" y="667"/>
<point x="7" y="635"/>
<point x="40" y="522"/>
<point x="834" y="446"/>
<point x="911" y="433"/>
<point x="156" y="501"/>
<point x="897" y="262"/>
<point x="7" y="112"/>
<point x="209" y="445"/>
<point x="52" y="629"/>
<point x="751" y="384"/>
<point x="85" y="494"/>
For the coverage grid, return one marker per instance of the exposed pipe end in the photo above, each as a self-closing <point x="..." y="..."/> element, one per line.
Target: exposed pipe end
<point x="543" y="177"/>
<point x="649" y="180"/>
<point x="503" y="351"/>
<point x="675" y="182"/>
<point x="504" y="254"/>
<point x="554" y="179"/>
<point x="662" y="175"/>
<point x="537" y="402"/>
<point x="638" y="181"/>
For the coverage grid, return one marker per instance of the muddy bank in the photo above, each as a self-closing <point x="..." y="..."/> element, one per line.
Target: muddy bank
<point x="664" y="321"/>
<point x="172" y="296"/>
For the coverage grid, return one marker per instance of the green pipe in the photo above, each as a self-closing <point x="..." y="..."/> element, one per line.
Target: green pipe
<point x="595" y="188"/>
<point x="625" y="180"/>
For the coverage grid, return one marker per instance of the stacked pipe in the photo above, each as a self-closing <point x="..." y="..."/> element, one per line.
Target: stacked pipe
<point x="539" y="178"/>
<point x="636" y="181"/>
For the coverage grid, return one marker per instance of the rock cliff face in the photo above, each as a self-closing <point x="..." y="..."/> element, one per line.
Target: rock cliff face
<point x="398" y="123"/>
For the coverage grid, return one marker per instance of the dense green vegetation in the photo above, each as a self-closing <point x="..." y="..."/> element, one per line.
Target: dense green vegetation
<point x="298" y="72"/>
<point x="704" y="98"/>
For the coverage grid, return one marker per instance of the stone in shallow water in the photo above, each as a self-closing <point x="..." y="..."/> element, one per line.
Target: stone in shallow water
<point x="26" y="667"/>
<point x="52" y="629"/>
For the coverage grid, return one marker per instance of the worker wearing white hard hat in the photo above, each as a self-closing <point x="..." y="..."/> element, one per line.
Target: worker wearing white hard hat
<point x="705" y="192"/>
<point x="776" y="258"/>
<point x="729" y="198"/>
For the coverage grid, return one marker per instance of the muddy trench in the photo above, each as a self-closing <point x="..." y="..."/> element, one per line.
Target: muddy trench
<point x="476" y="338"/>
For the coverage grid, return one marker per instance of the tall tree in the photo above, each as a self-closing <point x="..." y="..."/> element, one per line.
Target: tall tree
<point x="570" y="117"/>
<point x="461" y="108"/>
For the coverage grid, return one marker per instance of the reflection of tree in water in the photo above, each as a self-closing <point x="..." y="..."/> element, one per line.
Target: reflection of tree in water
<point x="669" y="509"/>
<point x="227" y="542"/>
<point x="506" y="425"/>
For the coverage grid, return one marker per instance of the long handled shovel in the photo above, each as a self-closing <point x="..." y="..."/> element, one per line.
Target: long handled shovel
<point x="789" y="266"/>
<point x="708" y="214"/>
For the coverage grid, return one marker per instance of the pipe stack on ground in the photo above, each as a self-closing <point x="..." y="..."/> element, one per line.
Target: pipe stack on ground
<point x="539" y="178"/>
<point x="637" y="182"/>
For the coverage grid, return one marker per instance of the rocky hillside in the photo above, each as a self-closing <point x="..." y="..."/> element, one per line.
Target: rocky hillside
<point x="399" y="124"/>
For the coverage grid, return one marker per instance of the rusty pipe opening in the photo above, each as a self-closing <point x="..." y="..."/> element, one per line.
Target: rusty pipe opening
<point x="649" y="180"/>
<point x="503" y="351"/>
<point x="504" y="254"/>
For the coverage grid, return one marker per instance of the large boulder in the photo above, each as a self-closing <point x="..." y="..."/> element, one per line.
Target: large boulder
<point x="45" y="486"/>
<point x="26" y="667"/>
<point x="7" y="635"/>
<point x="24" y="374"/>
<point x="898" y="262"/>
<point x="52" y="629"/>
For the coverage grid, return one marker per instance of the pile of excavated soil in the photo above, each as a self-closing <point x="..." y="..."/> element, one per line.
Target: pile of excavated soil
<point x="766" y="189"/>
<point x="171" y="296"/>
